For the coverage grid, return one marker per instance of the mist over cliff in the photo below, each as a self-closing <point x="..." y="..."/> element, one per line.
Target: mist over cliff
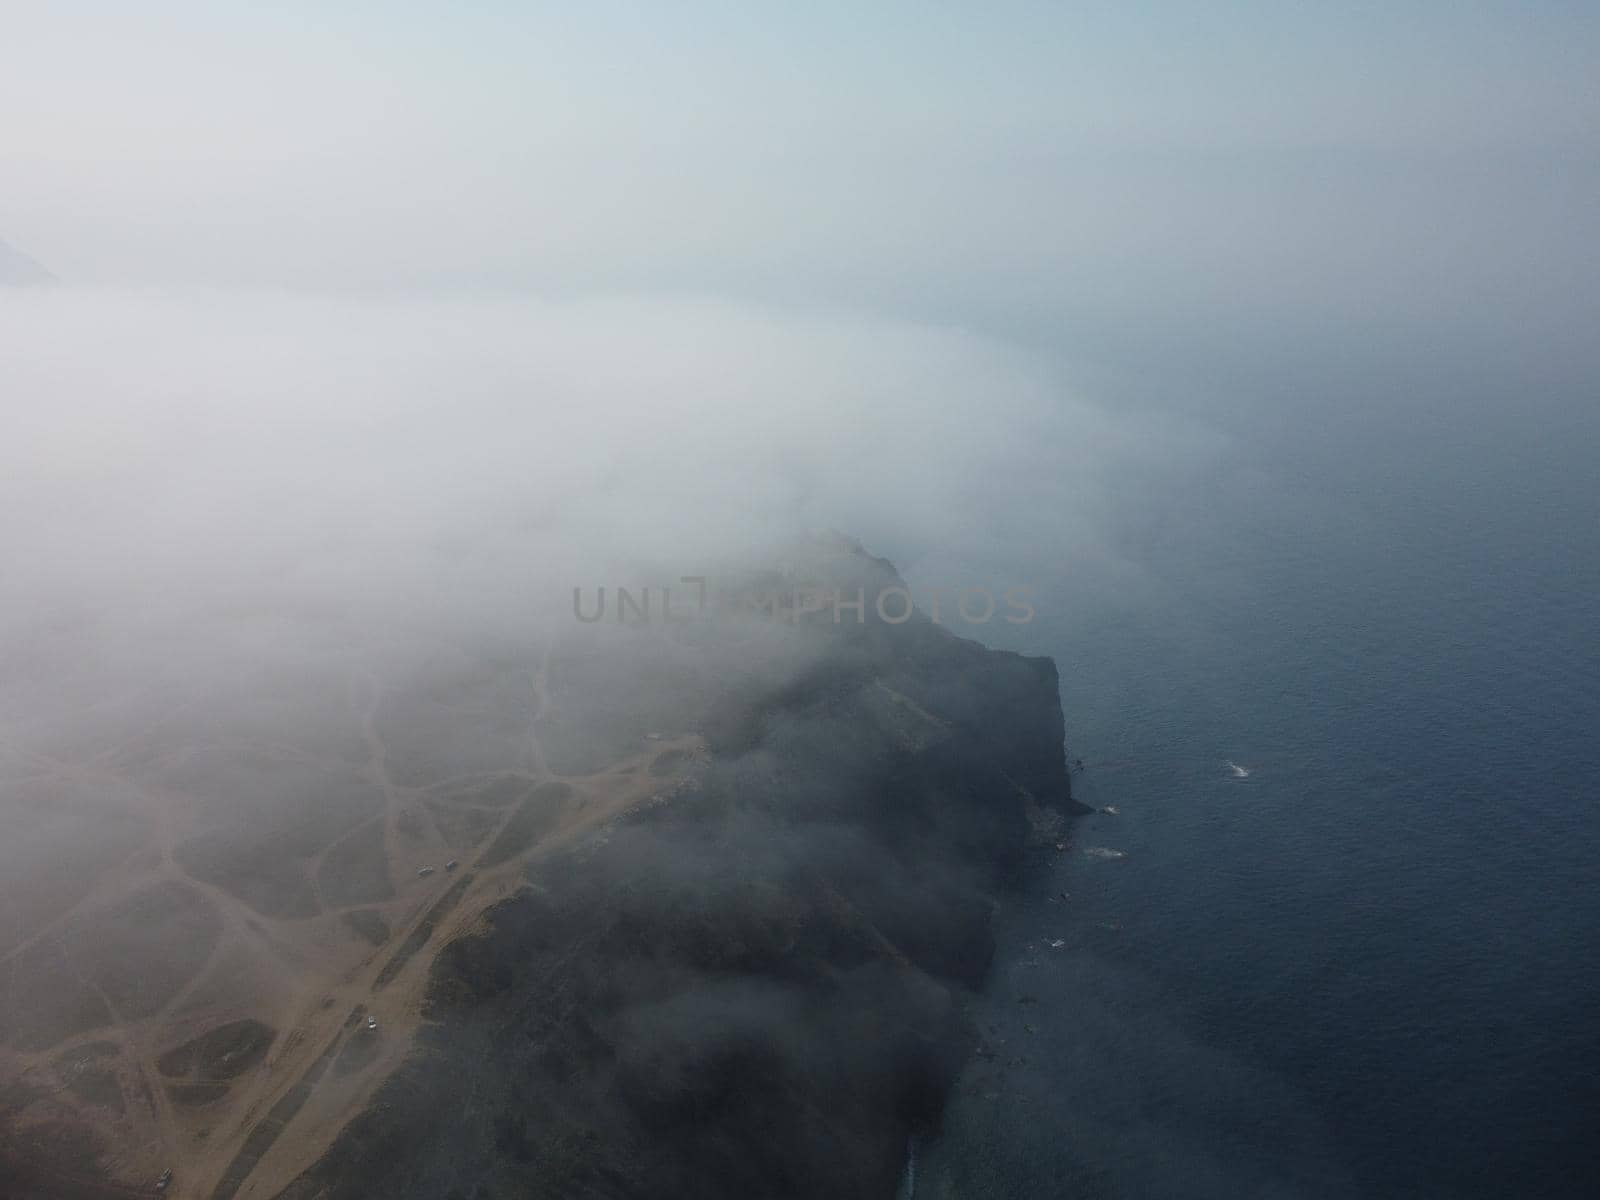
<point x="304" y="728"/>
<point x="342" y="852"/>
<point x="412" y="456"/>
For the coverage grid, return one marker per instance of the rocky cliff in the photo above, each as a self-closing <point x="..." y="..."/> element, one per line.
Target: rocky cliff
<point x="753" y="983"/>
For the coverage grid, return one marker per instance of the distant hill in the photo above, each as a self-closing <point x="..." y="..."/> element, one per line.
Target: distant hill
<point x="17" y="268"/>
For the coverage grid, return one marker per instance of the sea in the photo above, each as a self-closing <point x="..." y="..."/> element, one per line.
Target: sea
<point x="1340" y="936"/>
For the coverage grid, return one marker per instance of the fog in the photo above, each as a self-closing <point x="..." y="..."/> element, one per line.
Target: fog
<point x="289" y="634"/>
<point x="1252" y="167"/>
<point x="174" y="450"/>
<point x="375" y="333"/>
<point x="343" y="288"/>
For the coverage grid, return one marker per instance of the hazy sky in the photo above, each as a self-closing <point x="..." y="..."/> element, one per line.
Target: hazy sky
<point x="1003" y="161"/>
<point x="715" y="270"/>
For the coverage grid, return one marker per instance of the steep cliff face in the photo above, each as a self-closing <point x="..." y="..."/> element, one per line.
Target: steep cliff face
<point x="753" y="984"/>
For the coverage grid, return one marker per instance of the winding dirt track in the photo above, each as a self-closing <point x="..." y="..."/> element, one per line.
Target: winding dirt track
<point x="313" y="981"/>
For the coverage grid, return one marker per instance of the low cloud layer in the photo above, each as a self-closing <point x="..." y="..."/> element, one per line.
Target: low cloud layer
<point x="471" y="457"/>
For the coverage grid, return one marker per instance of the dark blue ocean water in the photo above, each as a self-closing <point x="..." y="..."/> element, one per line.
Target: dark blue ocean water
<point x="1371" y="968"/>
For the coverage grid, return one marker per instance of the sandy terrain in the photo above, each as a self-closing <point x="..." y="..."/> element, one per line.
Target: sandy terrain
<point x="185" y="975"/>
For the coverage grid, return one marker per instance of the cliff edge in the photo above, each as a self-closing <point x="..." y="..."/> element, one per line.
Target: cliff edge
<point x="753" y="983"/>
